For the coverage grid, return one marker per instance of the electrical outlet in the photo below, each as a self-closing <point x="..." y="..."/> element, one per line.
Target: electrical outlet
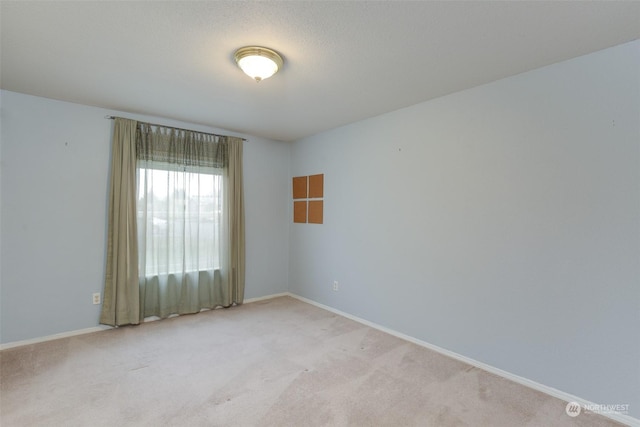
<point x="96" y="298"/>
<point x="336" y="286"/>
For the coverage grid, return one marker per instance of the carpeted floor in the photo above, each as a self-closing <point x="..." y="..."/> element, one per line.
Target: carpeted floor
<point x="279" y="362"/>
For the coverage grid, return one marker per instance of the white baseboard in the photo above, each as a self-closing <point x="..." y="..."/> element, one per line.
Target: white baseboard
<point x="53" y="337"/>
<point x="626" y="419"/>
<point x="250" y="300"/>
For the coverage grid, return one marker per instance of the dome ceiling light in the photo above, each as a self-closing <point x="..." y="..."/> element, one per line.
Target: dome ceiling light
<point x="259" y="63"/>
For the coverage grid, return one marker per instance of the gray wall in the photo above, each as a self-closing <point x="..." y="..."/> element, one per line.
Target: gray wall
<point x="55" y="162"/>
<point x="501" y="223"/>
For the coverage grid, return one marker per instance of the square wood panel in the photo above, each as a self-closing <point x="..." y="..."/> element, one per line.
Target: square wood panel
<point x="300" y="211"/>
<point x="316" y="186"/>
<point x="300" y="187"/>
<point x="315" y="211"/>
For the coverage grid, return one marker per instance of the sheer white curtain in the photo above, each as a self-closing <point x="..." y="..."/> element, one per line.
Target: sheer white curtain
<point x="183" y="223"/>
<point x="180" y="227"/>
<point x="179" y="210"/>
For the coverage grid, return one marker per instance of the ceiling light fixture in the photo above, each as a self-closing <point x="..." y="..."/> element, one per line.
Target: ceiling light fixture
<point x="259" y="63"/>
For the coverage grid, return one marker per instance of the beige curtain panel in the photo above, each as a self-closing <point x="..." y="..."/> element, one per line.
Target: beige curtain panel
<point x="236" y="218"/>
<point x="187" y="209"/>
<point x="121" y="304"/>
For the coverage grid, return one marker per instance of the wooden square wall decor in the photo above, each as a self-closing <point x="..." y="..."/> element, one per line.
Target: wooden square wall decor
<point x="316" y="186"/>
<point x="300" y="187"/>
<point x="315" y="211"/>
<point x="300" y="211"/>
<point x="308" y="204"/>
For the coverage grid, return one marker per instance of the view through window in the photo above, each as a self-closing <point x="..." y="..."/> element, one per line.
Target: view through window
<point x="179" y="219"/>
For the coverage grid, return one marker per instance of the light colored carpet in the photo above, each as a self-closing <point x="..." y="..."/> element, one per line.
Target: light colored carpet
<point x="279" y="362"/>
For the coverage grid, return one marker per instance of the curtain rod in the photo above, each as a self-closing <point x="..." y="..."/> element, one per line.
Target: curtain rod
<point x="171" y="127"/>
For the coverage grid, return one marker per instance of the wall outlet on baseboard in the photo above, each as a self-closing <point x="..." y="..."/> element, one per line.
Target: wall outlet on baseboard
<point x="336" y="286"/>
<point x="96" y="298"/>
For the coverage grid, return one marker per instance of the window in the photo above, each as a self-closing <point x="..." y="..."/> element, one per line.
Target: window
<point x="175" y="242"/>
<point x="179" y="211"/>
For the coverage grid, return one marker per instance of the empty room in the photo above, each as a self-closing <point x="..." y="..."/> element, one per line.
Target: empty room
<point x="319" y="213"/>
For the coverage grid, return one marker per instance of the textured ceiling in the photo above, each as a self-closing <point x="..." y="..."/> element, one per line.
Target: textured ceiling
<point x="344" y="61"/>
